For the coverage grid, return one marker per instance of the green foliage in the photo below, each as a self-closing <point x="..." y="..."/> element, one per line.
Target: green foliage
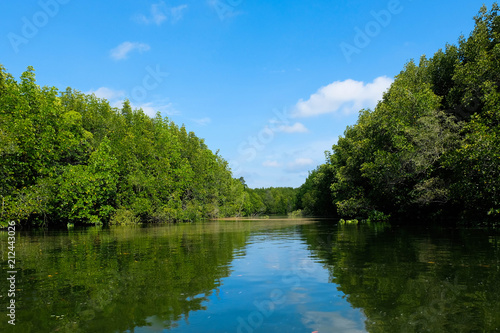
<point x="296" y="214"/>
<point x="314" y="197"/>
<point x="123" y="217"/>
<point x="430" y="147"/>
<point x="72" y="158"/>
<point x="276" y="200"/>
<point x="377" y="217"/>
<point x="88" y="192"/>
<point x="385" y="161"/>
<point x="354" y="221"/>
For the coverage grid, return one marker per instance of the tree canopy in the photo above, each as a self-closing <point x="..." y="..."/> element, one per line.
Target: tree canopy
<point x="69" y="157"/>
<point x="431" y="146"/>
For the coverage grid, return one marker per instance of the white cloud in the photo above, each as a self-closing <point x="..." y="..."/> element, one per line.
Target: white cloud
<point x="152" y="107"/>
<point x="108" y="93"/>
<point x="176" y="13"/>
<point x="116" y="98"/>
<point x="346" y="96"/>
<point x="122" y="51"/>
<point x="300" y="164"/>
<point x="295" y="128"/>
<point x="160" y="13"/>
<point x="331" y="322"/>
<point x="157" y="13"/>
<point x="271" y="164"/>
<point x="203" y="121"/>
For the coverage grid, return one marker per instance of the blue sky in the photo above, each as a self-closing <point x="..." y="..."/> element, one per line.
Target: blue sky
<point x="272" y="84"/>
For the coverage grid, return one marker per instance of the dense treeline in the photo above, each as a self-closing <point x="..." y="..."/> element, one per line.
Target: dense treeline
<point x="431" y="147"/>
<point x="277" y="200"/>
<point x="315" y="197"/>
<point x="68" y="157"/>
<point x="268" y="201"/>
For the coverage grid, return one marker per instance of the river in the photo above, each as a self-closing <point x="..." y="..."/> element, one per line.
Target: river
<point x="273" y="275"/>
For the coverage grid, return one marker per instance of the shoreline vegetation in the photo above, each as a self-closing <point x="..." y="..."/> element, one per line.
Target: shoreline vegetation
<point x="70" y="159"/>
<point x="430" y="149"/>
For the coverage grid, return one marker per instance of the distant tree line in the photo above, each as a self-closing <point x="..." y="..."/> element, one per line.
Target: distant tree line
<point x="430" y="148"/>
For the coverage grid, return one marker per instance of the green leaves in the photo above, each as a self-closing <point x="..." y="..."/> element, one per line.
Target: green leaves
<point x="70" y="157"/>
<point x="87" y="193"/>
<point x="432" y="143"/>
<point x="315" y="195"/>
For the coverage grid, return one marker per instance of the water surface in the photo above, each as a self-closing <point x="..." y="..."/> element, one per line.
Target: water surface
<point x="255" y="276"/>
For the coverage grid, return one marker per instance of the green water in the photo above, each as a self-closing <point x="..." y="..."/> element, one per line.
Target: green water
<point x="248" y="276"/>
